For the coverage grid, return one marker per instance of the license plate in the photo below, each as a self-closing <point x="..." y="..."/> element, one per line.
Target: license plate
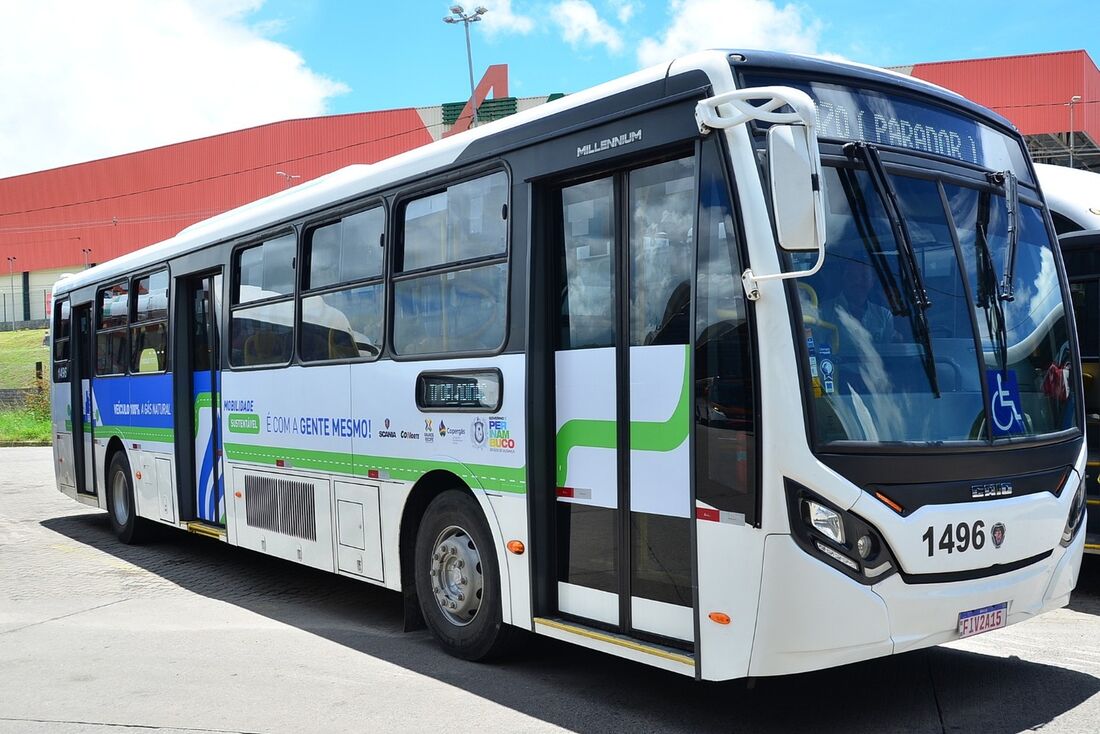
<point x="981" y="620"/>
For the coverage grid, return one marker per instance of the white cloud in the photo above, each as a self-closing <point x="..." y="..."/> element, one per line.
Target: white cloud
<point x="624" y="10"/>
<point x="748" y="24"/>
<point x="82" y="80"/>
<point x="502" y="19"/>
<point x="581" y="25"/>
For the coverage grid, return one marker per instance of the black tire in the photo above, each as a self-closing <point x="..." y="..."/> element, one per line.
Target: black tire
<point x="121" y="507"/>
<point x="454" y="520"/>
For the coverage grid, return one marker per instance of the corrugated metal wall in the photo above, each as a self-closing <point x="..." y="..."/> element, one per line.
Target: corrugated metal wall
<point x="1031" y="91"/>
<point x="116" y="205"/>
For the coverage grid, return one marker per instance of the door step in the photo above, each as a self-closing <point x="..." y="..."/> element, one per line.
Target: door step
<point x="210" y="531"/>
<point x="668" y="658"/>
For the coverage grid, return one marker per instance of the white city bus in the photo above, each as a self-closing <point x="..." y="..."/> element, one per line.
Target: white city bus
<point x="745" y="365"/>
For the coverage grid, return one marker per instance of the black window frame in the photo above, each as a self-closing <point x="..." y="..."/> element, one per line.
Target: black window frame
<point x="58" y="309"/>
<point x="397" y="238"/>
<point x="234" y="293"/>
<point x="134" y="322"/>
<point x="124" y="328"/>
<point x="302" y="277"/>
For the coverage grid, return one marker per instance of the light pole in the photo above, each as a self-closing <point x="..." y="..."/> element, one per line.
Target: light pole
<point x="1072" y="101"/>
<point x="458" y="15"/>
<point x="11" y="281"/>
<point x="86" y="252"/>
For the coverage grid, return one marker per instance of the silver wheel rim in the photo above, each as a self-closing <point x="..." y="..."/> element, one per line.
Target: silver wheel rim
<point x="456" y="576"/>
<point x="120" y="499"/>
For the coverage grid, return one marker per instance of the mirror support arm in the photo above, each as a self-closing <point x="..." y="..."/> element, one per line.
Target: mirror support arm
<point x="731" y="109"/>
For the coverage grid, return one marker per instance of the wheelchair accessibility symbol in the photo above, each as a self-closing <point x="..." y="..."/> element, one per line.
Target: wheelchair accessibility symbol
<point x="1004" y="402"/>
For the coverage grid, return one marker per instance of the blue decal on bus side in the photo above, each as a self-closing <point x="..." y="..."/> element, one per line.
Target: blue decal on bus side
<point x="209" y="497"/>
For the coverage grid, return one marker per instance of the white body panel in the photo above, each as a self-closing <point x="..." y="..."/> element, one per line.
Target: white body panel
<point x="358" y="530"/>
<point x="656" y="375"/>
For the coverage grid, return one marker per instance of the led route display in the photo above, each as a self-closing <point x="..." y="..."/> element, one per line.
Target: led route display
<point x="851" y="113"/>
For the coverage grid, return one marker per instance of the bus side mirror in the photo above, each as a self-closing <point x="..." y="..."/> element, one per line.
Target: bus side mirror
<point x="796" y="190"/>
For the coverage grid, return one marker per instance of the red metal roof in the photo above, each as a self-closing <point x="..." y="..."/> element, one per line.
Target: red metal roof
<point x="116" y="205"/>
<point x="1031" y="91"/>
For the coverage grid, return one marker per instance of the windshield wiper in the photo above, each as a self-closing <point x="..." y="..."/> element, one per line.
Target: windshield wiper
<point x="861" y="215"/>
<point x="989" y="300"/>
<point x="909" y="267"/>
<point x="1012" y="205"/>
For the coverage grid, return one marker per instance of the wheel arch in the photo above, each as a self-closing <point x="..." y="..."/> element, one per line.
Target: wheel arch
<point x="114" y="445"/>
<point x="427" y="488"/>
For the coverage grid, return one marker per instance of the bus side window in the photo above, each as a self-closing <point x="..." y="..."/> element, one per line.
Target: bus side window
<point x="455" y="249"/>
<point x="262" y="332"/>
<point x="149" y="329"/>
<point x="112" y="319"/>
<point x="343" y="306"/>
<point x="725" y="417"/>
<point x="1086" y="309"/>
<point x="62" y="330"/>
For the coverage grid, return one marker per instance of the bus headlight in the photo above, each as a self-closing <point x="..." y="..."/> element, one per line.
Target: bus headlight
<point x="1076" y="516"/>
<point x="824" y="520"/>
<point x="839" y="538"/>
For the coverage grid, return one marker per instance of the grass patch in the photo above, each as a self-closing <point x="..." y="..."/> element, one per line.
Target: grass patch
<point x="19" y="350"/>
<point x="24" y="425"/>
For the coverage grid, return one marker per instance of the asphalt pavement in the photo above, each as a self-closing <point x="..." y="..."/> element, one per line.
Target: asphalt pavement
<point x="186" y="634"/>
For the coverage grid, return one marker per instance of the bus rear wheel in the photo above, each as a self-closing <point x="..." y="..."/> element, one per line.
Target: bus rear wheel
<point x="458" y="580"/>
<point x="121" y="508"/>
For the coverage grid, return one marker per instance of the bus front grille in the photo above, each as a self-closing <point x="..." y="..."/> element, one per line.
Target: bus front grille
<point x="281" y="506"/>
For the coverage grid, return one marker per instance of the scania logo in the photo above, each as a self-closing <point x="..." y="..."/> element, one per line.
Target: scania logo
<point x="992" y="489"/>
<point x="997" y="533"/>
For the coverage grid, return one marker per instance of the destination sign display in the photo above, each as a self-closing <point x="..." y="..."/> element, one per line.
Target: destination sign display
<point x="469" y="390"/>
<point x="850" y="113"/>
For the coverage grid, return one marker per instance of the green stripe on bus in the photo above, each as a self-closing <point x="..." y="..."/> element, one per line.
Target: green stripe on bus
<point x="644" y="436"/>
<point x="494" y="478"/>
<point x="202" y="400"/>
<point x="163" y="435"/>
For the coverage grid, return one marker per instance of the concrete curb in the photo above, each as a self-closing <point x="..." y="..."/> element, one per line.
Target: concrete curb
<point x="22" y="444"/>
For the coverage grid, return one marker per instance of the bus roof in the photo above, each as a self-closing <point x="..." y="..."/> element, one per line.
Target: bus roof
<point x="359" y="179"/>
<point x="1073" y="193"/>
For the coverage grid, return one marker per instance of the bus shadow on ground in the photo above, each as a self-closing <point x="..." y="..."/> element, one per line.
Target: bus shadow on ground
<point x="933" y="690"/>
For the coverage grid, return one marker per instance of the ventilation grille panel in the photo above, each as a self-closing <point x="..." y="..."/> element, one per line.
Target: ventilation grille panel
<point x="281" y="506"/>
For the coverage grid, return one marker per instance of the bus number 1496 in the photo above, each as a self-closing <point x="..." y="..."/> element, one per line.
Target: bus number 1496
<point x="960" y="537"/>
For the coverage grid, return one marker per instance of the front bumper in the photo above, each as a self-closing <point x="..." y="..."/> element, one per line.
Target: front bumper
<point x="811" y="616"/>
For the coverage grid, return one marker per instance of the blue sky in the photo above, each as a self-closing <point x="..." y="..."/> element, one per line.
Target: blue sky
<point x="124" y="75"/>
<point x="402" y="54"/>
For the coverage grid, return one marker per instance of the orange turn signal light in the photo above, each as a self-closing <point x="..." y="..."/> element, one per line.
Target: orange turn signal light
<point x="238" y="494"/>
<point x="890" y="503"/>
<point x="516" y="547"/>
<point x="719" y="617"/>
<point x="137" y="474"/>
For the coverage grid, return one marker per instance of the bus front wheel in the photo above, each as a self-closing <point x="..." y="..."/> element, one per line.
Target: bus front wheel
<point x="121" y="507"/>
<point x="458" y="580"/>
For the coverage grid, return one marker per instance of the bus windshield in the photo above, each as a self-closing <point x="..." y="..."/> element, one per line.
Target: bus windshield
<point x="888" y="326"/>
